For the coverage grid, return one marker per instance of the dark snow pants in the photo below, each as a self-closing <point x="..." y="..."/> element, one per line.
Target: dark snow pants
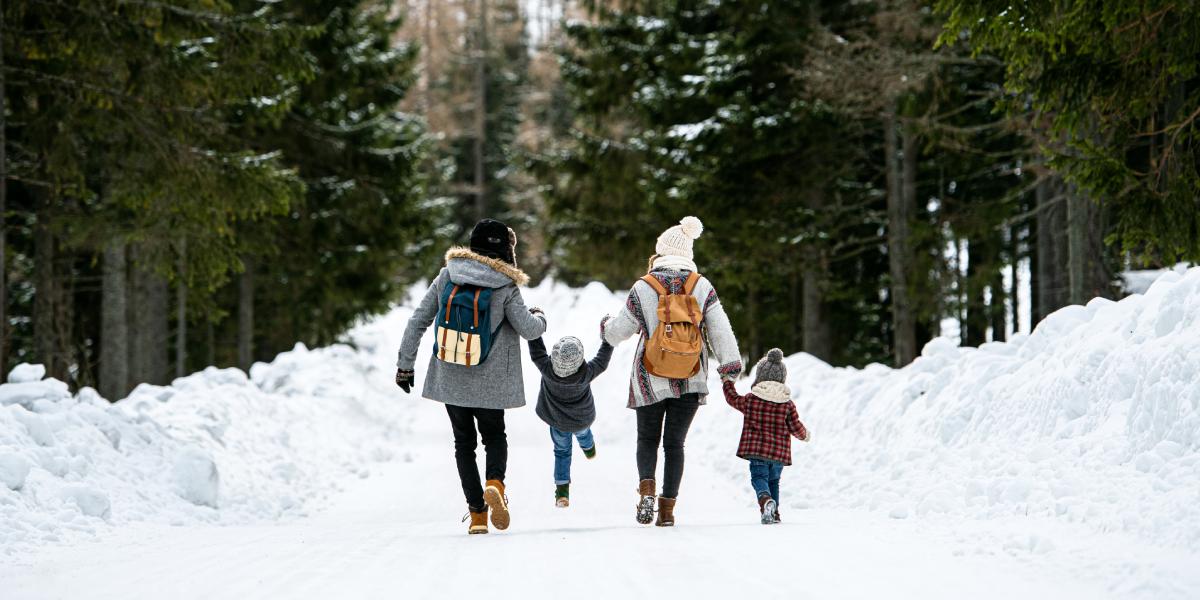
<point x="667" y="422"/>
<point x="491" y="429"/>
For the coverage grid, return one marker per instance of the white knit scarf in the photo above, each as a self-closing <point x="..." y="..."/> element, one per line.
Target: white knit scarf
<point x="772" y="391"/>
<point x="677" y="263"/>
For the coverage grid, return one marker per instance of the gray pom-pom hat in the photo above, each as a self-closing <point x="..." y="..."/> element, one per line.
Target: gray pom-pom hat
<point x="567" y="356"/>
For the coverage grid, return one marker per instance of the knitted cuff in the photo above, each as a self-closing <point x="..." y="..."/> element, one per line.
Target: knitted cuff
<point x="731" y="369"/>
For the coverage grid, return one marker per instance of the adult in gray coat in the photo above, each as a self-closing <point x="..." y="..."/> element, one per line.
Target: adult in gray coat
<point x="476" y="396"/>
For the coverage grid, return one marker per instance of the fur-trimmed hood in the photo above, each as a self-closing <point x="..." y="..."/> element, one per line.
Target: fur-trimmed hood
<point x="473" y="268"/>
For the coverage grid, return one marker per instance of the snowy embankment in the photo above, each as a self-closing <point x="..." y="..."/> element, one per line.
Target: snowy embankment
<point x="1093" y="419"/>
<point x="216" y="446"/>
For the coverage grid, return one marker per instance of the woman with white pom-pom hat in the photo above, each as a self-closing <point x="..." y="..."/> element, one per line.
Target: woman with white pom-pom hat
<point x="665" y="406"/>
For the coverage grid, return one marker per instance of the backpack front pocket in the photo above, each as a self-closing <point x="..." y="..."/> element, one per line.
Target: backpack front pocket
<point x="457" y="347"/>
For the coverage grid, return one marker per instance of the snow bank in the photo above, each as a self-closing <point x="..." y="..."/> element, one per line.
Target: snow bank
<point x="1137" y="282"/>
<point x="1093" y="418"/>
<point x="217" y="446"/>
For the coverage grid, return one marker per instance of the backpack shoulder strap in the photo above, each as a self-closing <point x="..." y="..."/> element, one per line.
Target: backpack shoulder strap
<point x="450" y="302"/>
<point x="656" y="284"/>
<point x="691" y="282"/>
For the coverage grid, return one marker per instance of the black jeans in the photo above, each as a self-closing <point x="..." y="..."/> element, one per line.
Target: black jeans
<point x="667" y="422"/>
<point x="495" y="444"/>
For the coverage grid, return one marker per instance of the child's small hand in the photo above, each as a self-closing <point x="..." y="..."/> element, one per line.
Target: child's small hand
<point x="603" y="322"/>
<point x="533" y="310"/>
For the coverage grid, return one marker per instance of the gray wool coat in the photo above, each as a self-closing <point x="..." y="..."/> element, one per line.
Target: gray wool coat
<point x="497" y="381"/>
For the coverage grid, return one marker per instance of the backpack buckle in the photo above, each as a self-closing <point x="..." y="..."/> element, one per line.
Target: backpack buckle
<point x="668" y="330"/>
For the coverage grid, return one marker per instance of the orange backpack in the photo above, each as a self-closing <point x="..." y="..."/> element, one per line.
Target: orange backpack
<point x="673" y="350"/>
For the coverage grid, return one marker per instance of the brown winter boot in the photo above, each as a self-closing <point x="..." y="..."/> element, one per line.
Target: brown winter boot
<point x="478" y="522"/>
<point x="666" y="512"/>
<point x="645" y="505"/>
<point x="493" y="494"/>
<point x="766" y="509"/>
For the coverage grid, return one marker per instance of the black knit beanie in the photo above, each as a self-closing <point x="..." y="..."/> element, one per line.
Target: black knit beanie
<point x="494" y="239"/>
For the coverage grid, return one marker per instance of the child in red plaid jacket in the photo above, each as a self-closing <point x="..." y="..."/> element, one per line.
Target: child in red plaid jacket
<point x="769" y="421"/>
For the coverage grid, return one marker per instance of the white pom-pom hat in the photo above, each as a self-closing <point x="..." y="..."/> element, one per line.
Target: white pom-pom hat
<point x="677" y="240"/>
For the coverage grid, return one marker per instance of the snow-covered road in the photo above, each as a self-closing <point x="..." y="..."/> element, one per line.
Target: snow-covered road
<point x="398" y="533"/>
<point x="972" y="474"/>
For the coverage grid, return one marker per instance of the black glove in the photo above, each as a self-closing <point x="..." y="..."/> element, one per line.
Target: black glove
<point x="405" y="379"/>
<point x="604" y="322"/>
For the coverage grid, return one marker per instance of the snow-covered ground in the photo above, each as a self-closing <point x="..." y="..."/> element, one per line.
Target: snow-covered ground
<point x="1064" y="464"/>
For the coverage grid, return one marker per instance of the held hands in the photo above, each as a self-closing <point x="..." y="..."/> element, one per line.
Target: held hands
<point x="731" y="371"/>
<point x="603" y="323"/>
<point x="405" y="379"/>
<point x="533" y="310"/>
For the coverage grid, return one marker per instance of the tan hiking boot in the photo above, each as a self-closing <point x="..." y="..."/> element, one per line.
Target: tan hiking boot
<point x="666" y="512"/>
<point x="645" y="505"/>
<point x="493" y="495"/>
<point x="478" y="522"/>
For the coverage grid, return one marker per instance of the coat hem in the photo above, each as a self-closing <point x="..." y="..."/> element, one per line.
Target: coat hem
<point x="475" y="405"/>
<point x="787" y="463"/>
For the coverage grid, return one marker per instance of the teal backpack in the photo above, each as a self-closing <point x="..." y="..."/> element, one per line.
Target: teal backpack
<point x="464" y="335"/>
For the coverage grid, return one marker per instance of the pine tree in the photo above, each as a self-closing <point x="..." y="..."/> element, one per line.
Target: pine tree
<point x="1116" y="82"/>
<point x="363" y="228"/>
<point x="120" y="135"/>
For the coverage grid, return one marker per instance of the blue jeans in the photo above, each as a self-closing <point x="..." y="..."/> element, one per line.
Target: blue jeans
<point x="764" y="477"/>
<point x="562" y="451"/>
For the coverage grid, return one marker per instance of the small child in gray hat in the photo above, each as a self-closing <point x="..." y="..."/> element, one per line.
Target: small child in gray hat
<point x="565" y="401"/>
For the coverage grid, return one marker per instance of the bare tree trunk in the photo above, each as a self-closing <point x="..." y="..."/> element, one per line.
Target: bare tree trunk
<point x="1051" y="249"/>
<point x="481" y="203"/>
<point x="45" y="293"/>
<point x="427" y="51"/>
<point x="1036" y="309"/>
<point x="753" y="346"/>
<point x="134" y="307"/>
<point x="976" y="322"/>
<point x="157" y="315"/>
<point x="818" y="337"/>
<point x="997" y="306"/>
<point x="1077" y="249"/>
<point x="796" y="300"/>
<point x="3" y="208"/>
<point x="1099" y="275"/>
<point x="181" y="324"/>
<point x="1014" y="240"/>
<point x="114" y="326"/>
<point x="901" y="180"/>
<point x="245" y="343"/>
<point x="210" y="337"/>
<point x="148" y="314"/>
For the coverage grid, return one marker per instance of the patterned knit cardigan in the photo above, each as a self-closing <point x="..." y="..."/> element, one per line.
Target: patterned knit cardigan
<point x="640" y="317"/>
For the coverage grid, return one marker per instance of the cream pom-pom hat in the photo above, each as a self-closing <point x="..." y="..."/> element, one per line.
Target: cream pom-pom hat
<point x="677" y="240"/>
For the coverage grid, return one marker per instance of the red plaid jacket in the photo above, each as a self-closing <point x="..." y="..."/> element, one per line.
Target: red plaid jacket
<point x="767" y="426"/>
